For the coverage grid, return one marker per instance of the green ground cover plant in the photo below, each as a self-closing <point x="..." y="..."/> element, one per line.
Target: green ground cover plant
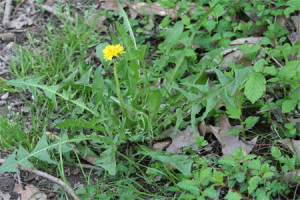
<point x="123" y="98"/>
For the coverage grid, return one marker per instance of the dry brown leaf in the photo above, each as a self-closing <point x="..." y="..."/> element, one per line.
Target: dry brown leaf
<point x="180" y="139"/>
<point x="111" y="4"/>
<point x="234" y="54"/>
<point x="202" y="128"/>
<point x="30" y="192"/>
<point x="4" y="196"/>
<point x="292" y="176"/>
<point x="21" y="21"/>
<point x="7" y="36"/>
<point x="230" y="143"/>
<point x="145" y="9"/>
<point x="161" y="145"/>
<point x="99" y="23"/>
<point x="293" y="145"/>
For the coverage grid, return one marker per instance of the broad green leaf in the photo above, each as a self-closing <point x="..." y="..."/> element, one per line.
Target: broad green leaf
<point x="261" y="194"/>
<point x="9" y="164"/>
<point x="107" y="160"/>
<point x="85" y="78"/>
<point x="253" y="183"/>
<point x="275" y="152"/>
<point x="100" y="55"/>
<point x="180" y="162"/>
<point x="228" y="161"/>
<point x="39" y="151"/>
<point x="288" y="105"/>
<point x="296" y="94"/>
<point x="210" y="192"/>
<point x="254" y="164"/>
<point x="172" y="35"/>
<point x="224" y="80"/>
<point x="154" y="102"/>
<point x="255" y="86"/>
<point x="233" y="111"/>
<point x="189" y="185"/>
<point x="240" y="76"/>
<point x="250" y="121"/>
<point x="233" y="196"/>
<point x="233" y="132"/>
<point x="23" y="153"/>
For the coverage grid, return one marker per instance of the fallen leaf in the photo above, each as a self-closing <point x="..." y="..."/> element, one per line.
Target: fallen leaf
<point x="30" y="192"/>
<point x="202" y="128"/>
<point x="180" y="139"/>
<point x="230" y="143"/>
<point x="234" y="54"/>
<point x="145" y="9"/>
<point x="161" y="145"/>
<point x="99" y="22"/>
<point x="293" y="145"/>
<point x="21" y="21"/>
<point x="111" y="4"/>
<point x="7" y="36"/>
<point x="4" y="196"/>
<point x="292" y="176"/>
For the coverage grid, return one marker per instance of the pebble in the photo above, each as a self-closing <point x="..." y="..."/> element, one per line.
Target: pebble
<point x="2" y="102"/>
<point x="5" y="96"/>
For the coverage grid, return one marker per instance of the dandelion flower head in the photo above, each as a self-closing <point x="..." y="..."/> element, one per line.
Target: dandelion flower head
<point x="111" y="51"/>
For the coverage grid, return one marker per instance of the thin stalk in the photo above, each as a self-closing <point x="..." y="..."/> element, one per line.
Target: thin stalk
<point x="119" y="91"/>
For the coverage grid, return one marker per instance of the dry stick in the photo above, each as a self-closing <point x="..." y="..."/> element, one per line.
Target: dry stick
<point x="6" y="17"/>
<point x="50" y="177"/>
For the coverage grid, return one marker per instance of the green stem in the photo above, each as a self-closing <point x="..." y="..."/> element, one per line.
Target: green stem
<point x="119" y="91"/>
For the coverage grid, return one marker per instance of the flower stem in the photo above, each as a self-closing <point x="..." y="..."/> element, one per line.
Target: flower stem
<point x="119" y="91"/>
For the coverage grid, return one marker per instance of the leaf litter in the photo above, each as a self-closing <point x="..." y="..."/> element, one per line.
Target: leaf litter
<point x="230" y="143"/>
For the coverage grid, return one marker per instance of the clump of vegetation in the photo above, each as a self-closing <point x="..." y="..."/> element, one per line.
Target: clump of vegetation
<point x="202" y="66"/>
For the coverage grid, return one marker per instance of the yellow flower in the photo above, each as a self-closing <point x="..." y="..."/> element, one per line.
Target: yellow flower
<point x="111" y="51"/>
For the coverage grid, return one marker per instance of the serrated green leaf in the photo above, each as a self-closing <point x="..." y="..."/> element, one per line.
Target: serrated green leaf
<point x="9" y="164"/>
<point x="210" y="192"/>
<point x="107" y="160"/>
<point x="189" y="185"/>
<point x="76" y="122"/>
<point x="85" y="78"/>
<point x="254" y="164"/>
<point x="255" y="86"/>
<point x="261" y="194"/>
<point x="288" y="105"/>
<point x="33" y="83"/>
<point x="253" y="183"/>
<point x="39" y="151"/>
<point x="180" y="162"/>
<point x="154" y="102"/>
<point x="233" y="196"/>
<point x="23" y="153"/>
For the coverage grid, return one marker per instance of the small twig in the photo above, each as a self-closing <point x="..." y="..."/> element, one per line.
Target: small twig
<point x="272" y="58"/>
<point x="4" y="60"/>
<point x="6" y="16"/>
<point x="49" y="177"/>
<point x="18" y="6"/>
<point x="87" y="166"/>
